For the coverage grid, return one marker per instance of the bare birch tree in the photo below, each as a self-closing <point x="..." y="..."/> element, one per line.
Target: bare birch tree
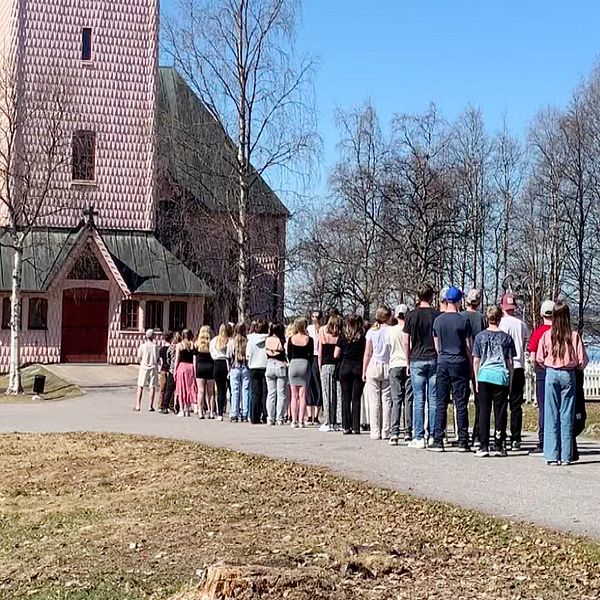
<point x="33" y="149"/>
<point x="239" y="58"/>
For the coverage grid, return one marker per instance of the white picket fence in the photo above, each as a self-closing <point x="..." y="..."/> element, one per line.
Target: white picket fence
<point x="591" y="383"/>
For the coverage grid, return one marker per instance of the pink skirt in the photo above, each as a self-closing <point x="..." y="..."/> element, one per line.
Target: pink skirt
<point x="185" y="384"/>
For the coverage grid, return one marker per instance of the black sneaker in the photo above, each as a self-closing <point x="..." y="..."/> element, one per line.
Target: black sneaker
<point x="537" y="450"/>
<point x="499" y="452"/>
<point x="164" y="411"/>
<point x="347" y="431"/>
<point x="234" y="419"/>
<point x="464" y="448"/>
<point x="436" y="446"/>
<point x="515" y="446"/>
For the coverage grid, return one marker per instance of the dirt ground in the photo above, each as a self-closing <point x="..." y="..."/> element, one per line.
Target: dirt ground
<point x="119" y="517"/>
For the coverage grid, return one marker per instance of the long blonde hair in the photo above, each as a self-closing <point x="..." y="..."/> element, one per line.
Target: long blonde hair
<point x="204" y="337"/>
<point x="240" y="343"/>
<point x="224" y="336"/>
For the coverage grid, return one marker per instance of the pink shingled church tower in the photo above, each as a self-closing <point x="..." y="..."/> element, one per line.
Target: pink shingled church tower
<point x="95" y="275"/>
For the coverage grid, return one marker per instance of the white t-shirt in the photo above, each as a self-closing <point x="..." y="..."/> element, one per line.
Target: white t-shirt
<point x="148" y="354"/>
<point x="397" y="355"/>
<point x="518" y="332"/>
<point x="312" y="332"/>
<point x="381" y="344"/>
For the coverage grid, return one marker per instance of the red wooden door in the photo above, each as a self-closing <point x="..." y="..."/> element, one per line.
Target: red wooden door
<point x="84" y="325"/>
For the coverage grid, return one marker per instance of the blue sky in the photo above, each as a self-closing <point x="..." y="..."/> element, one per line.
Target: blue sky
<point x="508" y="57"/>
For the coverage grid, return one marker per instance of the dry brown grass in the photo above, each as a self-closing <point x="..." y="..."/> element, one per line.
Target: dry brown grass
<point x="121" y="517"/>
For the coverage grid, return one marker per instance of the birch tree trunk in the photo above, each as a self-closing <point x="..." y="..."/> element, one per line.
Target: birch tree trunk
<point x="14" y="380"/>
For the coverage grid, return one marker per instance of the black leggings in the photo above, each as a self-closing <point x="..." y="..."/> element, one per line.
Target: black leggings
<point x="258" y="387"/>
<point x="352" y="388"/>
<point x="492" y="397"/>
<point x="221" y="372"/>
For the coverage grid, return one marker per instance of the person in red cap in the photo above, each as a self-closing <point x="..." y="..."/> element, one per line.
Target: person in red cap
<point x="517" y="330"/>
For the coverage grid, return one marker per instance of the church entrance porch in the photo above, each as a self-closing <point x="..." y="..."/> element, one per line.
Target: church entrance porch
<point x="85" y="318"/>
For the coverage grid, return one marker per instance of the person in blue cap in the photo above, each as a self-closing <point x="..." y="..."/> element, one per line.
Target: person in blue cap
<point x="452" y="336"/>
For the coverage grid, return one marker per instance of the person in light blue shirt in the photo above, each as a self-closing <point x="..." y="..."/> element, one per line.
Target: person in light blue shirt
<point x="493" y="354"/>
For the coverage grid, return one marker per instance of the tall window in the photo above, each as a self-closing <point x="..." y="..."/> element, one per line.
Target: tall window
<point x="177" y="316"/>
<point x="6" y="313"/>
<point x="84" y="156"/>
<point x="38" y="313"/>
<point x="130" y="315"/>
<point x="86" y="44"/>
<point x="154" y="315"/>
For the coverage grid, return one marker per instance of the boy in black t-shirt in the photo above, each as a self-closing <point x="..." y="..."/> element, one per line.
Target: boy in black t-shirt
<point x="421" y="358"/>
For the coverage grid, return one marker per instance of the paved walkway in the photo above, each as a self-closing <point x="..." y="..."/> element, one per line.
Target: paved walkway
<point x="519" y="487"/>
<point x="96" y="375"/>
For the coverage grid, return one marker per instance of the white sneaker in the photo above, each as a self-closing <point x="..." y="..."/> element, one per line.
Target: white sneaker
<point x="482" y="453"/>
<point x="181" y="414"/>
<point x="294" y="425"/>
<point x="302" y="425"/>
<point x="418" y="444"/>
<point x="324" y="428"/>
<point x="219" y="418"/>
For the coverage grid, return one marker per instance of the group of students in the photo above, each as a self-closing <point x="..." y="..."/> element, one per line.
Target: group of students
<point x="404" y="368"/>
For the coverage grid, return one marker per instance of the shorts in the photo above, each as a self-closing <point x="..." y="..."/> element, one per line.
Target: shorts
<point x="147" y="378"/>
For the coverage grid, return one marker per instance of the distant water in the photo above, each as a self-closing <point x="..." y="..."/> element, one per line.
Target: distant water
<point x="594" y="352"/>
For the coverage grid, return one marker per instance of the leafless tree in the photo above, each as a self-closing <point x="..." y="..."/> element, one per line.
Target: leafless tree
<point x="239" y="58"/>
<point x="34" y="144"/>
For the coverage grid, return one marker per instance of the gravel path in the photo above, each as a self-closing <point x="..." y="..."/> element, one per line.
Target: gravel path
<point x="521" y="488"/>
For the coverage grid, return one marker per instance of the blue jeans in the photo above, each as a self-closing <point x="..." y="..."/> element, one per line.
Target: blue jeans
<point x="559" y="415"/>
<point x="422" y="378"/>
<point x="239" y="377"/>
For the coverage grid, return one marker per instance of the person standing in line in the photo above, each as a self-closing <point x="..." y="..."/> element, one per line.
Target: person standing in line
<point x="314" y="398"/>
<point x="453" y="342"/>
<point x="218" y="351"/>
<point x="277" y="374"/>
<point x="239" y="375"/>
<point x="300" y="353"/>
<point x="257" y="363"/>
<point x="518" y="332"/>
<point x="562" y="352"/>
<point x="205" y="374"/>
<point x="148" y="355"/>
<point x="478" y="324"/>
<point x="376" y="374"/>
<point x="546" y="311"/>
<point x="493" y="352"/>
<point x="400" y="386"/>
<point x="350" y="352"/>
<point x="185" y="373"/>
<point x="421" y="358"/>
<point x="328" y="367"/>
<point x="166" y="381"/>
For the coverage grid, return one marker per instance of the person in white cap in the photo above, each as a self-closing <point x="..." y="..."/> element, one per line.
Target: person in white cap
<point x="148" y="355"/>
<point x="478" y="324"/>
<point x="518" y="332"/>
<point x="401" y="415"/>
<point x="540" y="371"/>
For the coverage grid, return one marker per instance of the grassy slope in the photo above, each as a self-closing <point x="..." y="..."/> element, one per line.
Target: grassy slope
<point x="56" y="388"/>
<point x="105" y="517"/>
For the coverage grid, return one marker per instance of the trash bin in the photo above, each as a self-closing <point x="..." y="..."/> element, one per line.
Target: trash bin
<point x="39" y="383"/>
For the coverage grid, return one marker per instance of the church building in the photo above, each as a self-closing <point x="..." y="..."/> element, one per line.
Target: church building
<point x="97" y="271"/>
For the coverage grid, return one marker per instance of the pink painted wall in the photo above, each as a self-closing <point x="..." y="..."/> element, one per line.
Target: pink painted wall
<point x="44" y="346"/>
<point x="114" y="95"/>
